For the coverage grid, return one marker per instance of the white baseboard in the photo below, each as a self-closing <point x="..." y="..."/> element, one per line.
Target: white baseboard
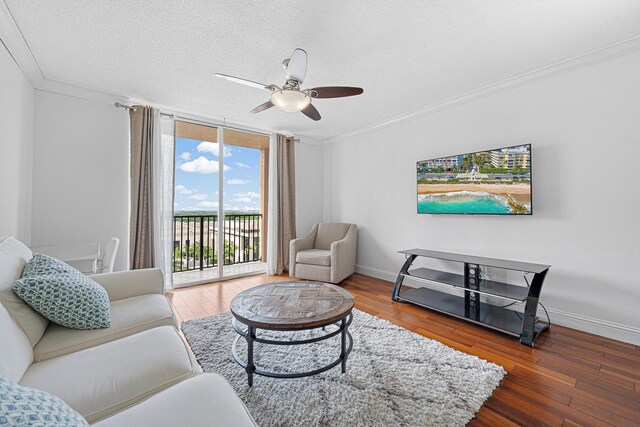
<point x="605" y="328"/>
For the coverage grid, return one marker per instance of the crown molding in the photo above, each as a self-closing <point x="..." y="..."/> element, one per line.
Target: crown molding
<point x="18" y="48"/>
<point x="588" y="59"/>
<point x="308" y="140"/>
<point x="11" y="37"/>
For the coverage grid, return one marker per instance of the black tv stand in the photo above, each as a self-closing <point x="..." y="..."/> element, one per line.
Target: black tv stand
<point x="525" y="325"/>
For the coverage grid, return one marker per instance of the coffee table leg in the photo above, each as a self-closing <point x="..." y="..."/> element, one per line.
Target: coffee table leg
<point x="251" y="368"/>
<point x="343" y="345"/>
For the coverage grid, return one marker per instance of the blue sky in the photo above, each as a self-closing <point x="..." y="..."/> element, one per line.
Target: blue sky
<point x="197" y="173"/>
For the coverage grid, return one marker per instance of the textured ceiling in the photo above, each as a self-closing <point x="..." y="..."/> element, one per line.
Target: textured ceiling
<point x="405" y="54"/>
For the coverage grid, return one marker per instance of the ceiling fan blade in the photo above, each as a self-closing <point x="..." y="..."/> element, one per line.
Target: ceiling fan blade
<point x="334" y="91"/>
<point x="243" y="81"/>
<point x="262" y="107"/>
<point x="311" y="112"/>
<point x="297" y="65"/>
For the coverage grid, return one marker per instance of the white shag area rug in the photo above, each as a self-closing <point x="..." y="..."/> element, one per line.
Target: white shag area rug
<point x="394" y="377"/>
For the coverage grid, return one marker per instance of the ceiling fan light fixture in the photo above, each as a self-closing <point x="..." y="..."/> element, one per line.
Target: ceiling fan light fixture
<point x="290" y="101"/>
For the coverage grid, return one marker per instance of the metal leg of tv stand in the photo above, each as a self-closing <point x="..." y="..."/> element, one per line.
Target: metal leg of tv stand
<point x="528" y="334"/>
<point x="404" y="270"/>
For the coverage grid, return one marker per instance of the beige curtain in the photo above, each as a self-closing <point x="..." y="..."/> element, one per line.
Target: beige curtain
<point x="143" y="128"/>
<point x="286" y="186"/>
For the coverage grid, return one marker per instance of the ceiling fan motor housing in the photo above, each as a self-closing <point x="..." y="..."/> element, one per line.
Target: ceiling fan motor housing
<point x="290" y="100"/>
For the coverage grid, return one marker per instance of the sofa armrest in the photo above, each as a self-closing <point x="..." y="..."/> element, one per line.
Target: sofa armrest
<point x="303" y="244"/>
<point x="343" y="255"/>
<point x="127" y="284"/>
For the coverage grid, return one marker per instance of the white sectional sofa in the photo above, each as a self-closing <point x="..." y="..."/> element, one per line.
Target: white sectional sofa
<point x="138" y="372"/>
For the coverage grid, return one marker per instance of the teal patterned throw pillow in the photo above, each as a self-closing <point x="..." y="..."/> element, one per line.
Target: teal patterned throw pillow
<point x="68" y="298"/>
<point x="24" y="406"/>
<point x="45" y="264"/>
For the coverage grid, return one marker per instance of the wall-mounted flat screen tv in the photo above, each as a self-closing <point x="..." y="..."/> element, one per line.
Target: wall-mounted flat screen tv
<point x="490" y="182"/>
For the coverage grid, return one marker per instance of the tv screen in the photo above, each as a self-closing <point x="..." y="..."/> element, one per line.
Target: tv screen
<point x="490" y="182"/>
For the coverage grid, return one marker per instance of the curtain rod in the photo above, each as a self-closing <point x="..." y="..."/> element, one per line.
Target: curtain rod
<point x="189" y="119"/>
<point x="126" y="107"/>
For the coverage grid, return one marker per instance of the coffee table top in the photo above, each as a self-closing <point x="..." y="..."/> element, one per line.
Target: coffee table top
<point x="292" y="305"/>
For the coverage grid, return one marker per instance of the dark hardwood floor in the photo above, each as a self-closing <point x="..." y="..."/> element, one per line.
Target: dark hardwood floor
<point x="571" y="378"/>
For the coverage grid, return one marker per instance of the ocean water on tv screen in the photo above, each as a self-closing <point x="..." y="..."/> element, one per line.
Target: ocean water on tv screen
<point x="469" y="203"/>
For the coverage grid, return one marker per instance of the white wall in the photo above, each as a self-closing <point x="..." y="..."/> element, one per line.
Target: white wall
<point x="16" y="149"/>
<point x="584" y="126"/>
<point x="81" y="173"/>
<point x="309" y="185"/>
<point x="81" y="179"/>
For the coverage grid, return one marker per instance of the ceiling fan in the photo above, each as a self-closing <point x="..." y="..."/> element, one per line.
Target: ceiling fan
<point x="290" y="97"/>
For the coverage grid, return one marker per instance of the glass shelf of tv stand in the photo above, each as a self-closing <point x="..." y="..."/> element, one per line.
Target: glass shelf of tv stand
<point x="485" y="287"/>
<point x="491" y="316"/>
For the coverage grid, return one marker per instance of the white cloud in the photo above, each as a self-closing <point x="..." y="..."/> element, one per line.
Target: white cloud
<point x="202" y="165"/>
<point x="199" y="196"/>
<point x="207" y="205"/>
<point x="236" y="181"/>
<point x="242" y="165"/>
<point x="186" y="155"/>
<point x="249" y="194"/>
<point x="238" y="208"/>
<point x="212" y="147"/>
<point x="181" y="189"/>
<point x="248" y="197"/>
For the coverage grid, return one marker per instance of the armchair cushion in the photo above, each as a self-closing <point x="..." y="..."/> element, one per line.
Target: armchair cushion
<point x="329" y="233"/>
<point x="314" y="257"/>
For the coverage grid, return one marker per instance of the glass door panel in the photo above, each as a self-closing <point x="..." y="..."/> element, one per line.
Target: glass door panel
<point x="246" y="159"/>
<point x="196" y="213"/>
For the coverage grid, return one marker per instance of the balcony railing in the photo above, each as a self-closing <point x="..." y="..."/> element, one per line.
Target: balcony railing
<point x="195" y="240"/>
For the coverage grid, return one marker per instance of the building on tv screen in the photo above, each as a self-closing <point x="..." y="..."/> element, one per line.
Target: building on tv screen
<point x="487" y="182"/>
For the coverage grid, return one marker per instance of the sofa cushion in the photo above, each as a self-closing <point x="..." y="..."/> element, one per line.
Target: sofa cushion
<point x="329" y="233"/>
<point x="22" y="406"/>
<point x="16" y="353"/>
<point x="203" y="401"/>
<point x="314" y="257"/>
<point x="128" y="316"/>
<point x="68" y="298"/>
<point x="14" y="255"/>
<point x="132" y="283"/>
<point x="102" y="380"/>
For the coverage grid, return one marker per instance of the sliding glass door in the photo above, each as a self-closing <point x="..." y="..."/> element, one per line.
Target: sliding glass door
<point x="220" y="199"/>
<point x="245" y="195"/>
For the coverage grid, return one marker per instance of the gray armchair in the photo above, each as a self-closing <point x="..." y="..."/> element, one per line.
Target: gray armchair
<point x="326" y="254"/>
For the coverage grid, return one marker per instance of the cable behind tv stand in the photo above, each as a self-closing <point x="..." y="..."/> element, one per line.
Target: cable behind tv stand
<point x="470" y="306"/>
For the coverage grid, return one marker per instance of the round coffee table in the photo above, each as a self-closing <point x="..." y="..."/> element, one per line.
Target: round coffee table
<point x="292" y="306"/>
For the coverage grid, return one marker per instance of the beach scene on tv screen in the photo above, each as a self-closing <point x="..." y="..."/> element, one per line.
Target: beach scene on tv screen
<point x="487" y="182"/>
